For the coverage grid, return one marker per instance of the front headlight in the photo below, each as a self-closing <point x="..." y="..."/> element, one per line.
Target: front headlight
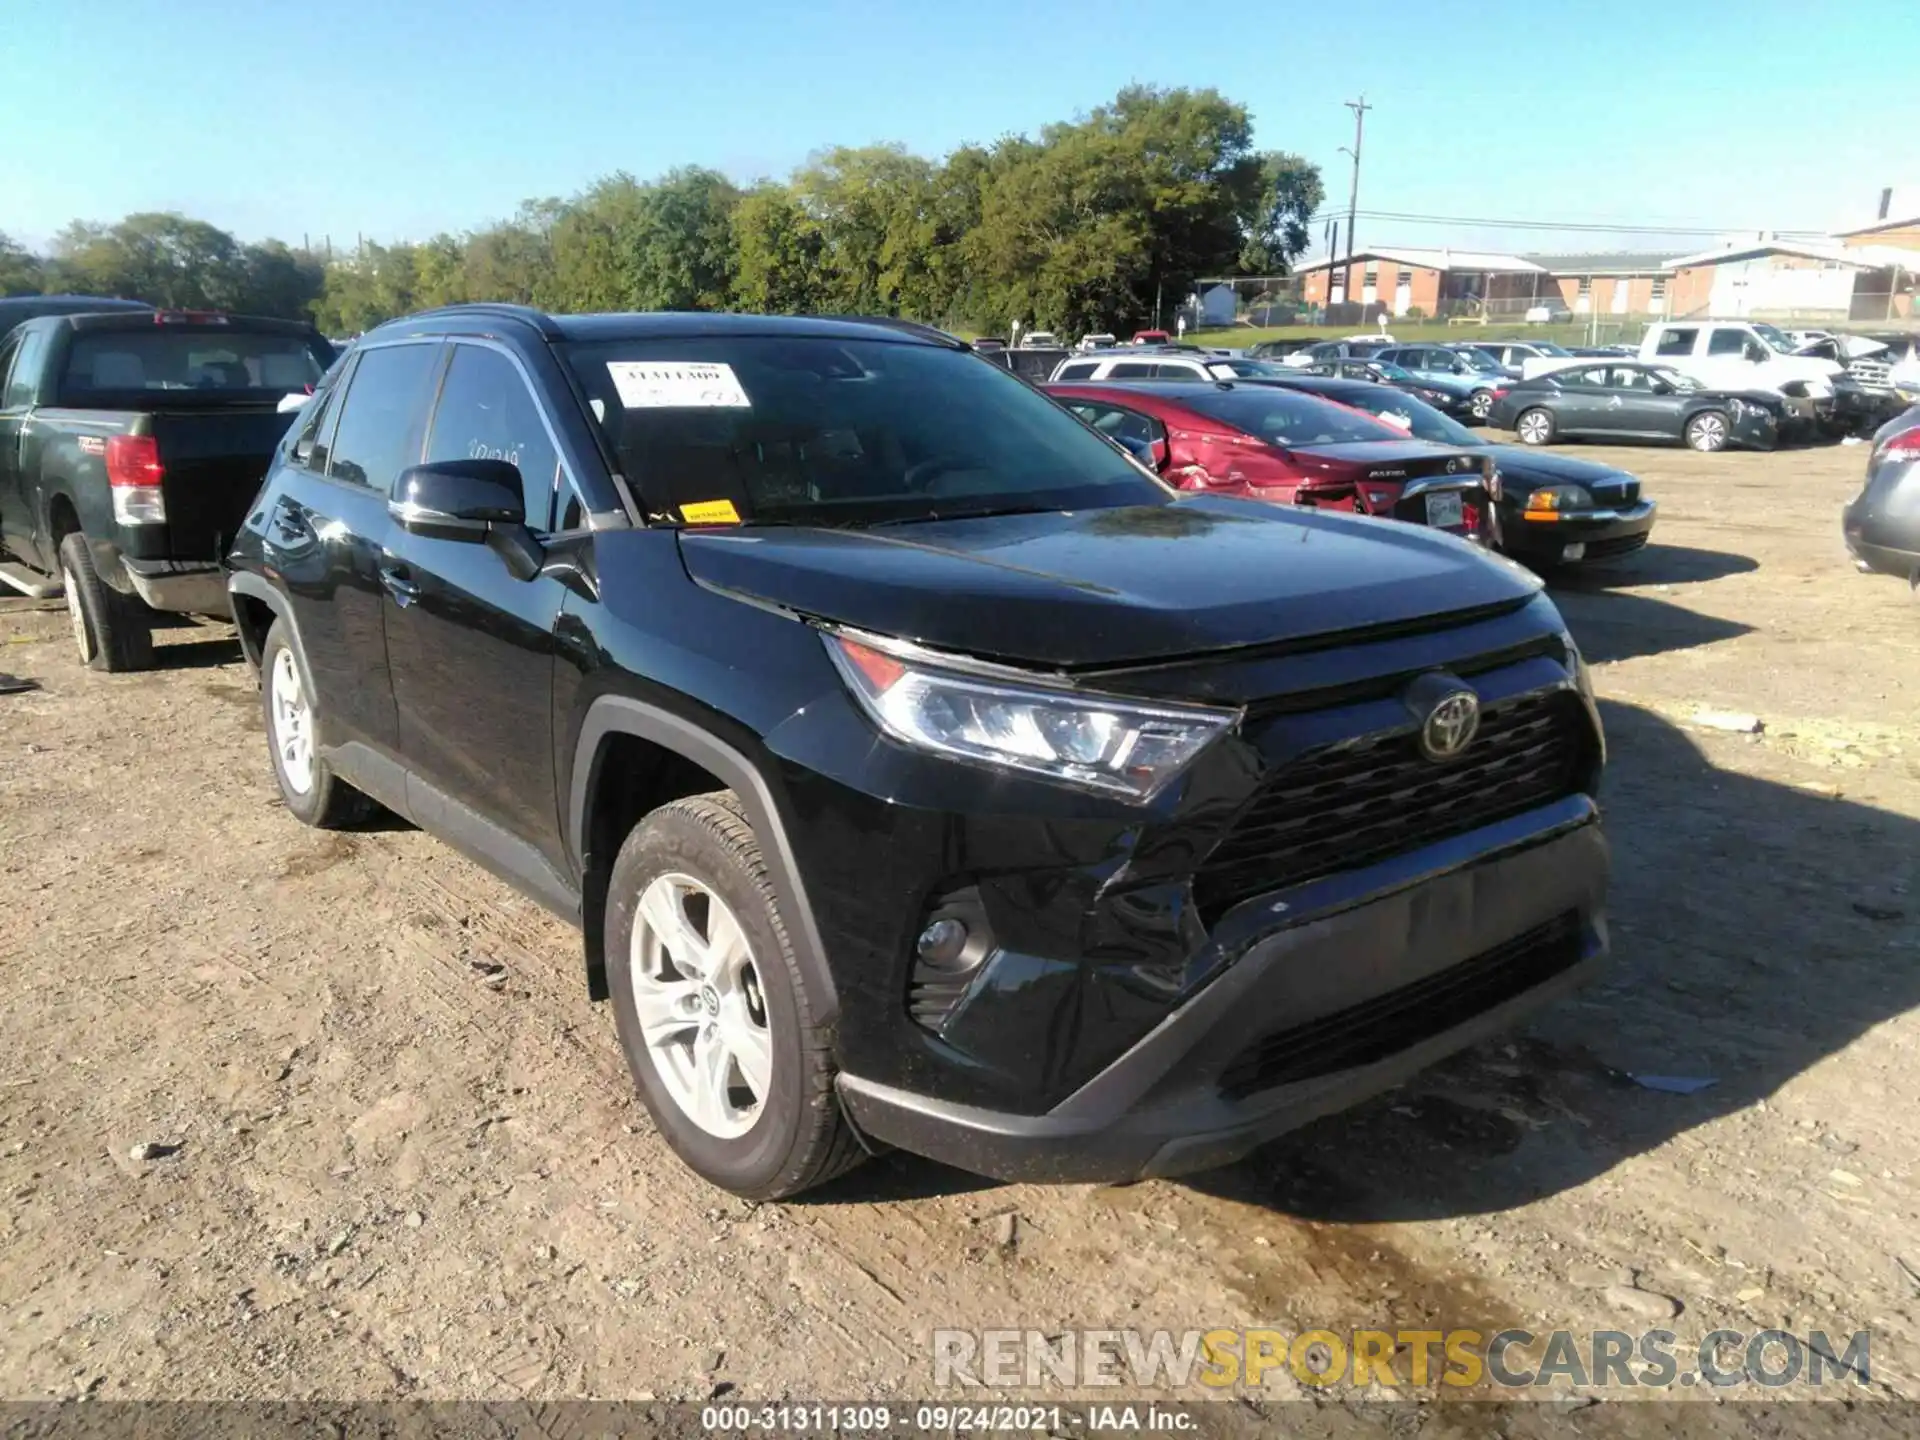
<point x="1561" y="497"/>
<point x="1097" y="742"/>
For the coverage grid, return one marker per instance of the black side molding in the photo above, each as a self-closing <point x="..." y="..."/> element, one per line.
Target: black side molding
<point x="619" y="714"/>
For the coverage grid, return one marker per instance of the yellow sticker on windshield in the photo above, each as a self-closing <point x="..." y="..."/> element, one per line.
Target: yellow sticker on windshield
<point x="710" y="512"/>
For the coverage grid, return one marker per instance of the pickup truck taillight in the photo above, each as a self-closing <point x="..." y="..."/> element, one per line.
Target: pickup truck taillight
<point x="134" y="472"/>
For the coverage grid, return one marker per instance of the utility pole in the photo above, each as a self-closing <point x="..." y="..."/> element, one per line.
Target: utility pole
<point x="1359" y="108"/>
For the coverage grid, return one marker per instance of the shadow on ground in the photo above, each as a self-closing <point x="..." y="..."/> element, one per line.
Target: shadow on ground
<point x="1657" y="564"/>
<point x="1622" y="625"/>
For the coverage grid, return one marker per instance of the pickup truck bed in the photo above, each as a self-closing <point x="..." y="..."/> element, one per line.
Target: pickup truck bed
<point x="130" y="448"/>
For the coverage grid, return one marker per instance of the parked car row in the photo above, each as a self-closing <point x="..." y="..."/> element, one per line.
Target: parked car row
<point x="879" y="721"/>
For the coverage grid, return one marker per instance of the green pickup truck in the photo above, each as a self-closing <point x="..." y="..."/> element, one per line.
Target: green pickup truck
<point x="131" y="444"/>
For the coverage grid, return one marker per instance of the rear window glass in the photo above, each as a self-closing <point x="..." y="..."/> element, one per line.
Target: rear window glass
<point x="811" y="430"/>
<point x="1289" y="419"/>
<point x="224" y="363"/>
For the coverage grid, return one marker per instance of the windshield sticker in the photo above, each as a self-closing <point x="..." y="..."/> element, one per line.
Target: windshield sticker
<point x="1221" y="372"/>
<point x="677" y="385"/>
<point x="710" y="512"/>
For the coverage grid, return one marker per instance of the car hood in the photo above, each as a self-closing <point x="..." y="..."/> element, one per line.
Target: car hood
<point x="1090" y="588"/>
<point x="1449" y="384"/>
<point x="1555" y="469"/>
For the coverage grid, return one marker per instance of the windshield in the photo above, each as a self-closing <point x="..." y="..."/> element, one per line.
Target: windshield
<point x="1547" y="347"/>
<point x="1288" y="417"/>
<point x="1776" y="338"/>
<point x="1682" y="384"/>
<point x="1245" y="368"/>
<point x="1387" y="370"/>
<point x="205" y="362"/>
<point x="1410" y="416"/>
<point x="1478" y="360"/>
<point x="807" y="430"/>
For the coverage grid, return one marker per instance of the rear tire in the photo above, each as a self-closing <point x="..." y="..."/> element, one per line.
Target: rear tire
<point x="111" y="631"/>
<point x="312" y="792"/>
<point x="728" y="1059"/>
<point x="1534" y="427"/>
<point x="1481" y="405"/>
<point x="1707" y="431"/>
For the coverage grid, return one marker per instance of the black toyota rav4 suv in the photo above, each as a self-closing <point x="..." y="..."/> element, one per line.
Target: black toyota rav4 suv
<point x="921" y="770"/>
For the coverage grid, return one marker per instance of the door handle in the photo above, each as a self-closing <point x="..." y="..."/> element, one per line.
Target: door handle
<point x="399" y="585"/>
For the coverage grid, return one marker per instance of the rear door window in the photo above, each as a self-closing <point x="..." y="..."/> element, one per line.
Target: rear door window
<point x="486" y="412"/>
<point x="382" y="415"/>
<point x="1727" y="342"/>
<point x="23" y="377"/>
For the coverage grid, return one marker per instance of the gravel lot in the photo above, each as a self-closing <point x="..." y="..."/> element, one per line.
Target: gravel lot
<point x="408" y="1163"/>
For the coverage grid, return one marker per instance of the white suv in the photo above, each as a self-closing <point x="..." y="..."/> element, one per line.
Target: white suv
<point x="1136" y="364"/>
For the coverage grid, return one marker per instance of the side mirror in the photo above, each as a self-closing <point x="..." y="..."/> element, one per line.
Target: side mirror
<point x="458" y="499"/>
<point x="476" y="501"/>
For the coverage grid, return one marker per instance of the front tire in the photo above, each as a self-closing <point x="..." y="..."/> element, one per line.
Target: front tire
<point x="714" y="1014"/>
<point x="111" y="631"/>
<point x="312" y="792"/>
<point x="1707" y="431"/>
<point x="1534" y="427"/>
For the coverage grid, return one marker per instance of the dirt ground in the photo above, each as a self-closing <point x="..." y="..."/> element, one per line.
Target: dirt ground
<point x="409" y="1163"/>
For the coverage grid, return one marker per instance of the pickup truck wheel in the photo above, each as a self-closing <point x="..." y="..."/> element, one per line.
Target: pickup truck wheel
<point x="714" y="1014"/>
<point x="311" y="790"/>
<point x="1707" y="431"/>
<point x="1534" y="427"/>
<point x="110" y="630"/>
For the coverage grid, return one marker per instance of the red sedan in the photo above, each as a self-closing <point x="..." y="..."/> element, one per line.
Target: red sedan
<point x="1273" y="444"/>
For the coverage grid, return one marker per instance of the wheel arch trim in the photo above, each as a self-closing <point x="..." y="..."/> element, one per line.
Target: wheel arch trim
<point x="611" y="715"/>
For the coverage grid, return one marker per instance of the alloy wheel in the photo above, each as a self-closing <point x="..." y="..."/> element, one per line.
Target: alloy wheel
<point x="1482" y="404"/>
<point x="1708" y="432"/>
<point x="292" y="722"/>
<point x="1535" y="427"/>
<point x="703" y="1018"/>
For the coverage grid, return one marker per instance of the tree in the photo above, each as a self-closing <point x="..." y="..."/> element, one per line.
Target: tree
<point x="1290" y="192"/>
<point x="165" y="259"/>
<point x="20" y="269"/>
<point x="778" y="249"/>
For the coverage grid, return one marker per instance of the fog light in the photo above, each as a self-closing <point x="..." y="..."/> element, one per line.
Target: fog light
<point x="942" y="942"/>
<point x="1573" y="552"/>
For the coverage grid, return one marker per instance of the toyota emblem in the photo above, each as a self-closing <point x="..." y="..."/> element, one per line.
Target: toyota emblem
<point x="1449" y="714"/>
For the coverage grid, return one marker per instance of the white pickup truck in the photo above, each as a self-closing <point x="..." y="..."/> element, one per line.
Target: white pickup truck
<point x="1739" y="355"/>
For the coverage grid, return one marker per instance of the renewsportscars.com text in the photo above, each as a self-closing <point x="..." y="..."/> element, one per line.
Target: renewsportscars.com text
<point x="1395" y="1359"/>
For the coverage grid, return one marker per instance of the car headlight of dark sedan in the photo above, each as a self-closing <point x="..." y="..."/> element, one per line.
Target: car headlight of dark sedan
<point x="1548" y="502"/>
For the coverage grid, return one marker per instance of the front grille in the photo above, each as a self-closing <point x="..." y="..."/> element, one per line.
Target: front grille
<point x="1362" y="801"/>
<point x="1620" y="492"/>
<point x="1619" y="545"/>
<point x="1387" y="1024"/>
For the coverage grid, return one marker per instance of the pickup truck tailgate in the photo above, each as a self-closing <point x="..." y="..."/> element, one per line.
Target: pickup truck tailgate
<point x="213" y="462"/>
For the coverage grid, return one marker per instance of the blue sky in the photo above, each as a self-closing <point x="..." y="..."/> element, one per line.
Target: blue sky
<point x="403" y="118"/>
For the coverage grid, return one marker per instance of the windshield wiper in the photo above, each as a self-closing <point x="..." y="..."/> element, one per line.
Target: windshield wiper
<point x="985" y="512"/>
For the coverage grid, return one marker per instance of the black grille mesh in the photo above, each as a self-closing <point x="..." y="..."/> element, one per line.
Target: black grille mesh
<point x="1363" y="801"/>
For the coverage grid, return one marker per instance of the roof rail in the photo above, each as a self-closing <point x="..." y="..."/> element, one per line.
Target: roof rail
<point x="910" y="327"/>
<point x="505" y="310"/>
